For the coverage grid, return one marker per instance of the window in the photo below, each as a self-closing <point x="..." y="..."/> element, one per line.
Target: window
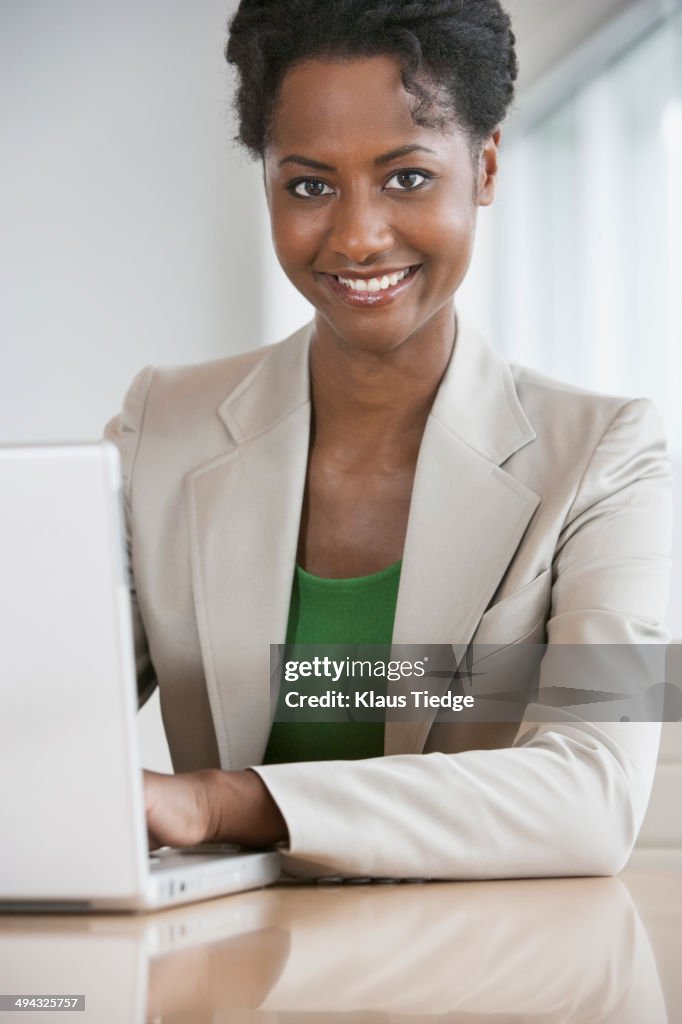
<point x="579" y="268"/>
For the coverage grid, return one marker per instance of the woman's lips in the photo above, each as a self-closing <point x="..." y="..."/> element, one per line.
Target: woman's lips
<point x="370" y="298"/>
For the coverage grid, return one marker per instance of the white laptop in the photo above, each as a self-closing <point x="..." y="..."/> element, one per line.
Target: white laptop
<point x="74" y="834"/>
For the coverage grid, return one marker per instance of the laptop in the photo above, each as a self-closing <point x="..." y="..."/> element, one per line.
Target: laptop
<point x="74" y="830"/>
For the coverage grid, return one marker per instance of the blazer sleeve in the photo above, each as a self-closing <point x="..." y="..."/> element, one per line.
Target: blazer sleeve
<point x="568" y="797"/>
<point x="124" y="431"/>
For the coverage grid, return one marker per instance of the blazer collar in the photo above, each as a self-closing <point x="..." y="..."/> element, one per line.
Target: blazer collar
<point x="476" y="400"/>
<point x="277" y="385"/>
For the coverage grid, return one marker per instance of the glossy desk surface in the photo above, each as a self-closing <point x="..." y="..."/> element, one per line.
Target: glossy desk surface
<point x="591" y="949"/>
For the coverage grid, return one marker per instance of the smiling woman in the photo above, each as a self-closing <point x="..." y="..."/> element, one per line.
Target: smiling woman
<point x="383" y="477"/>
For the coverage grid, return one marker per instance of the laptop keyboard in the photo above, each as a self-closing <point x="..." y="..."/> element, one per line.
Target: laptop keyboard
<point x="175" y="857"/>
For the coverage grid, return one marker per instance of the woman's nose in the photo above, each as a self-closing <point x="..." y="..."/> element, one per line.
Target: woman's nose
<point x="360" y="230"/>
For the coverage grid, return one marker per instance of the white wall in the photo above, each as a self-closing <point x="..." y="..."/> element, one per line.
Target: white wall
<point x="128" y="219"/>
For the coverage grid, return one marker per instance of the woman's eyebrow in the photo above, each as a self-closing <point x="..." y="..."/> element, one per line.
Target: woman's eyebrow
<point x="385" y="158"/>
<point x="306" y="162"/>
<point x="395" y="154"/>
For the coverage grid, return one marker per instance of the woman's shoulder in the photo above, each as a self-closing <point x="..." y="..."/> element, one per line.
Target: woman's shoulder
<point x="587" y="444"/>
<point x="552" y="404"/>
<point x="501" y="408"/>
<point x="207" y="381"/>
<point x="195" y="389"/>
<point x="536" y="387"/>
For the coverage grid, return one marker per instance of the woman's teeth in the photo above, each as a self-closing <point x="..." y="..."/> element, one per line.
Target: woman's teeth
<point x="374" y="284"/>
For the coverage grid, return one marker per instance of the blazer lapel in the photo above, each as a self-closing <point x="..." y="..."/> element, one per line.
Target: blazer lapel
<point x="467" y="516"/>
<point x="244" y="514"/>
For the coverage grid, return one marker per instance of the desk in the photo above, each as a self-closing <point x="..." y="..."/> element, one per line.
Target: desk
<point x="591" y="949"/>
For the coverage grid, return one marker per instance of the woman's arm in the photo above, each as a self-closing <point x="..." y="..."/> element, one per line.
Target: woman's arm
<point x="124" y="431"/>
<point x="569" y="796"/>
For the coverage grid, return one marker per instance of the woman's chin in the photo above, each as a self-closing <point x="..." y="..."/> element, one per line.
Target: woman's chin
<point x="361" y="334"/>
<point x="385" y="331"/>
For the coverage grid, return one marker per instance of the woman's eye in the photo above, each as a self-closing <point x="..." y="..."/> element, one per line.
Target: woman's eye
<point x="310" y="188"/>
<point x="407" y="181"/>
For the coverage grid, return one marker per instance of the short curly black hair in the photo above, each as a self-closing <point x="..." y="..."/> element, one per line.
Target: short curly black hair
<point x="457" y="57"/>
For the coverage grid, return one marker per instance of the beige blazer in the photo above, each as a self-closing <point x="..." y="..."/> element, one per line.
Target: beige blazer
<point x="538" y="512"/>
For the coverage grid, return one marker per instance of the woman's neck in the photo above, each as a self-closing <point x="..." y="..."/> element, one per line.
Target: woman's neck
<point x="373" y="404"/>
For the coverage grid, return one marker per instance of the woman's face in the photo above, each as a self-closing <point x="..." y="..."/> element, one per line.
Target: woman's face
<point x="373" y="216"/>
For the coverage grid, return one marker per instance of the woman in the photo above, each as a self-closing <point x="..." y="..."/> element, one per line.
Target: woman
<point x="384" y="475"/>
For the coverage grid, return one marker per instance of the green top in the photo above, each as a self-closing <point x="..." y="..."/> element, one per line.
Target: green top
<point x="359" y="610"/>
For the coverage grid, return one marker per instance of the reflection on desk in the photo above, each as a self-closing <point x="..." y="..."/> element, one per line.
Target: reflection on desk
<point x="550" y="950"/>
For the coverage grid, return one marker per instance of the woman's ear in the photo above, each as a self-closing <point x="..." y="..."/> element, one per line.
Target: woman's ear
<point x="487" y="169"/>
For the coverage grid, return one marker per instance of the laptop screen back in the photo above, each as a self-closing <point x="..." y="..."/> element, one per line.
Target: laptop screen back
<point x="70" y="788"/>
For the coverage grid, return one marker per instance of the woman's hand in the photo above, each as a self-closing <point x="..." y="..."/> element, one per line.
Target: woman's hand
<point x="177" y="808"/>
<point x="210" y="806"/>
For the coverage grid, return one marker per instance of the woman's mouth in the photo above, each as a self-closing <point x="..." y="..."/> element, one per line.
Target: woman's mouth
<point x="371" y="291"/>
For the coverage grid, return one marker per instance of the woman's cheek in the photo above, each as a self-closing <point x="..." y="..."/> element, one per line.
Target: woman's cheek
<point x="296" y="240"/>
<point x="457" y="240"/>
